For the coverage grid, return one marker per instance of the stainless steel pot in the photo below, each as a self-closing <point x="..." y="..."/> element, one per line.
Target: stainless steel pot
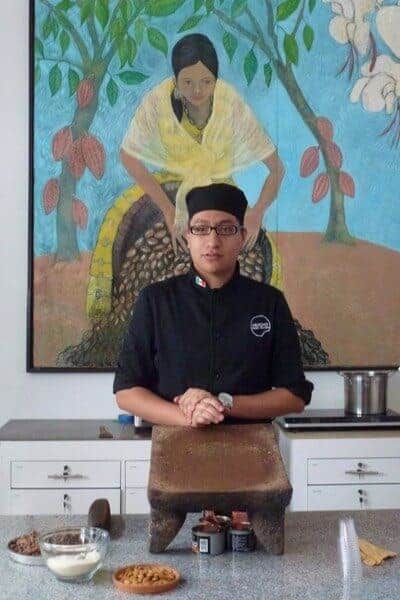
<point x="365" y="392"/>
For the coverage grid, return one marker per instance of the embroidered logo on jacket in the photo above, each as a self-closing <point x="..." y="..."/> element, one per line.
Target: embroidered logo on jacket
<point x="260" y="325"/>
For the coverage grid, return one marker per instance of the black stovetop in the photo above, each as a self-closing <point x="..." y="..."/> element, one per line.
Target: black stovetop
<point x="338" y="419"/>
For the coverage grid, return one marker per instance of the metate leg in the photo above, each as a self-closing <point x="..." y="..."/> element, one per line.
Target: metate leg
<point x="269" y="527"/>
<point x="164" y="526"/>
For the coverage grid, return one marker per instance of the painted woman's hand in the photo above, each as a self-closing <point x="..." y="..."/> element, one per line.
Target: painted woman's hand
<point x="175" y="233"/>
<point x="252" y="222"/>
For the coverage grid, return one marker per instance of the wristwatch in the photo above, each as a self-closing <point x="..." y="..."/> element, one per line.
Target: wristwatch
<point x="226" y="400"/>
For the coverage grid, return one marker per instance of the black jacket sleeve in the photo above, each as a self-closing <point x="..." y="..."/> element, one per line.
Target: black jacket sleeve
<point x="287" y="368"/>
<point x="136" y="360"/>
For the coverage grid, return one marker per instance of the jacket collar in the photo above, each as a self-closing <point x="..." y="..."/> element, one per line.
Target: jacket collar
<point x="201" y="285"/>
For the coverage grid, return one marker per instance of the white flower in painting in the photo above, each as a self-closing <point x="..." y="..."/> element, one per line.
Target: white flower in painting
<point x="388" y="26"/>
<point x="350" y="26"/>
<point x="379" y="88"/>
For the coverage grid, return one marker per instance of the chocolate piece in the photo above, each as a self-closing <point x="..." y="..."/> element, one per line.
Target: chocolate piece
<point x="100" y="514"/>
<point x="104" y="433"/>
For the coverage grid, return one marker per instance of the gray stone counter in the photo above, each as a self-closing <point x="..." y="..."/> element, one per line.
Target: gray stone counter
<point x="309" y="569"/>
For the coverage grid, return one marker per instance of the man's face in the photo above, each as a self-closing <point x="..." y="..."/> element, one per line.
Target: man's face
<point x="214" y="255"/>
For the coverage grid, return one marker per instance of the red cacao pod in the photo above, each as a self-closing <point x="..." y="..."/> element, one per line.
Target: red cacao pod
<point x="62" y="143"/>
<point x="321" y="187"/>
<point x="75" y="159"/>
<point x="309" y="161"/>
<point x="51" y="195"/>
<point x="94" y="155"/>
<point x="325" y="128"/>
<point x="334" y="154"/>
<point x="79" y="213"/>
<point x="346" y="184"/>
<point x="84" y="92"/>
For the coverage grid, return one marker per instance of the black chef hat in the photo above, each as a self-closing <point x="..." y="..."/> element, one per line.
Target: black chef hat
<point x="217" y="196"/>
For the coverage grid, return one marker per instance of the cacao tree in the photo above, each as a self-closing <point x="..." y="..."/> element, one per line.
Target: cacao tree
<point x="275" y="44"/>
<point x="114" y="31"/>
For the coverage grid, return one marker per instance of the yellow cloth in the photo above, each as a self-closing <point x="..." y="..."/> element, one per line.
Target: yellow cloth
<point x="232" y="140"/>
<point x="373" y="555"/>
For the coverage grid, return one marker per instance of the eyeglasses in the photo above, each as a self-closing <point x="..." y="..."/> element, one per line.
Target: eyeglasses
<point x="224" y="229"/>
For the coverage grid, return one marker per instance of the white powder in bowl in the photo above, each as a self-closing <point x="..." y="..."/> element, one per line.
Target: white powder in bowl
<point x="72" y="566"/>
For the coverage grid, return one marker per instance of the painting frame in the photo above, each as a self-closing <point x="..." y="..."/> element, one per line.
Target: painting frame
<point x="30" y="361"/>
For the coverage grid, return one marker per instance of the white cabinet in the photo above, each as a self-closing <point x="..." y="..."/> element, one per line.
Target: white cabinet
<point x="55" y="502"/>
<point x="136" y="479"/>
<point x="352" y="497"/>
<point x="136" y="501"/>
<point x="65" y="474"/>
<point x="65" y="477"/>
<point x="342" y="470"/>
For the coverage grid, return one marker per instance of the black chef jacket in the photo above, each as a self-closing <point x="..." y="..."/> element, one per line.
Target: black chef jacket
<point x="239" y="339"/>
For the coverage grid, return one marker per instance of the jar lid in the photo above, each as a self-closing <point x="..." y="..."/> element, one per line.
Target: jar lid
<point x="125" y="419"/>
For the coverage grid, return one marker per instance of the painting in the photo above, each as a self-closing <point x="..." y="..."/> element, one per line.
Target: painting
<point x="134" y="102"/>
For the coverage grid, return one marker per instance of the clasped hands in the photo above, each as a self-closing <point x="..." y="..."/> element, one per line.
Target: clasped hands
<point x="200" y="407"/>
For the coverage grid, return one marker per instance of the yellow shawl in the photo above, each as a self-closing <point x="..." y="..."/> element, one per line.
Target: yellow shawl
<point x="232" y="140"/>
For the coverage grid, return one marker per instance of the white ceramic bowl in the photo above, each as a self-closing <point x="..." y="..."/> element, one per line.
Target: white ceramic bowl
<point x="74" y="553"/>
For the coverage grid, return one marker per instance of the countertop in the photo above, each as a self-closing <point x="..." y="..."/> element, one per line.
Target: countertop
<point x="61" y="430"/>
<point x="309" y="569"/>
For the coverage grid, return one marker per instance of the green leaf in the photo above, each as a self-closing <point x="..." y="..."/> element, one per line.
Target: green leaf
<point x="73" y="81"/>
<point x="39" y="47"/>
<point x="311" y="5"/>
<point x="127" y="49"/>
<point x="140" y="28"/>
<point x="132" y="49"/>
<point x="291" y="48"/>
<point x="65" y="5"/>
<point x="230" y="44"/>
<point x="162" y="8"/>
<point x="126" y="10"/>
<point x="117" y="29"/>
<point x="157" y="40"/>
<point x="250" y="66"/>
<point x="65" y="41"/>
<point x="86" y="10"/>
<point x="101" y="12"/>
<point x="112" y="92"/>
<point x="123" y="52"/>
<point x="132" y="77"/>
<point x="55" y="79"/>
<point x="286" y="9"/>
<point x="47" y="27"/>
<point x="197" y="5"/>
<point x="238" y="7"/>
<point x="209" y="6"/>
<point x="38" y="73"/>
<point x="308" y="36"/>
<point x="190" y="23"/>
<point x="268" y="74"/>
<point x="56" y="29"/>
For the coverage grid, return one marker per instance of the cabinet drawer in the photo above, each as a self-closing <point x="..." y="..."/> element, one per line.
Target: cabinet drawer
<point x="353" y="470"/>
<point x="137" y="473"/>
<point x="347" y="497"/>
<point x="68" y="474"/>
<point x="59" y="502"/>
<point x="136" y="501"/>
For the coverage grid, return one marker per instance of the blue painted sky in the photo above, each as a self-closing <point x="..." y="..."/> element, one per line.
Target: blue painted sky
<point x="374" y="213"/>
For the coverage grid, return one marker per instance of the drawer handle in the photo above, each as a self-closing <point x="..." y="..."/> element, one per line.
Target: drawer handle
<point x="362" y="472"/>
<point x="64" y="477"/>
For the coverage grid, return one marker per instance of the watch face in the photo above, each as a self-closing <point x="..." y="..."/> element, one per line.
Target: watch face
<point x="225" y="399"/>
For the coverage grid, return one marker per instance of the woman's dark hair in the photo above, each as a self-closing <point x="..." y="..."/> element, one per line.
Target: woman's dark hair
<point x="190" y="50"/>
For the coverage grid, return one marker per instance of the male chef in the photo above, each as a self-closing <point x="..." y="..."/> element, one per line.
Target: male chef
<point x="211" y="345"/>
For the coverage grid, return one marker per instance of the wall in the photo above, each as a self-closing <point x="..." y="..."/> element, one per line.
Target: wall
<point x="35" y="395"/>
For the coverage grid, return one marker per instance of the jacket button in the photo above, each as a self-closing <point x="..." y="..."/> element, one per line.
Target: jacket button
<point x="217" y="376"/>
